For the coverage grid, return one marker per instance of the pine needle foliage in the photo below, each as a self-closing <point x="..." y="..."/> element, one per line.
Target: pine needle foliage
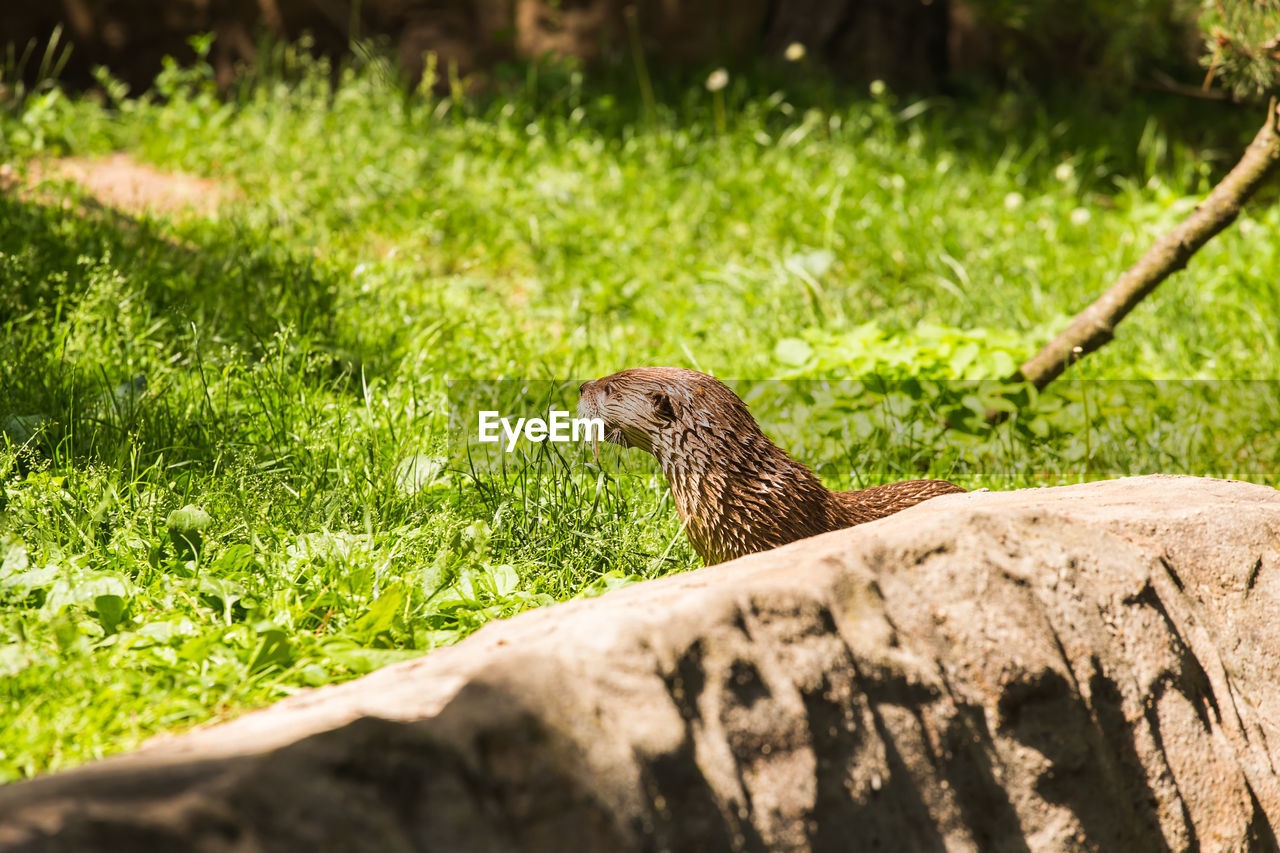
<point x="1243" y="41"/>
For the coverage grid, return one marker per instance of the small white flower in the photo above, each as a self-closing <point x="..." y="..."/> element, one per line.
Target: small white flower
<point x="1013" y="201"/>
<point x="795" y="52"/>
<point x="1080" y="216"/>
<point x="1064" y="172"/>
<point x="717" y="80"/>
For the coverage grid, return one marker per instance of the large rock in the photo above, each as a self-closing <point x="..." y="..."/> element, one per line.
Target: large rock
<point x="1089" y="667"/>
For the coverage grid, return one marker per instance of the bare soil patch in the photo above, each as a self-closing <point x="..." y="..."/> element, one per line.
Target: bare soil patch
<point x="120" y="182"/>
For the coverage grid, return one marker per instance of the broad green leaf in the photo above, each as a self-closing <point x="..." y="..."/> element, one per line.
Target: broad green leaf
<point x="274" y="648"/>
<point x="360" y="659"/>
<point x="792" y="351"/>
<point x="222" y="591"/>
<point x="110" y="609"/>
<point x="381" y="615"/>
<point x="504" y="580"/>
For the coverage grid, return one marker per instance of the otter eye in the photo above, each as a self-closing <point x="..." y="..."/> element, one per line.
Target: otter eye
<point x="607" y="389"/>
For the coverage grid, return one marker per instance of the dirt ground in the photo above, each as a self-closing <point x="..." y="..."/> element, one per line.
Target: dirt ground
<point x="119" y="182"/>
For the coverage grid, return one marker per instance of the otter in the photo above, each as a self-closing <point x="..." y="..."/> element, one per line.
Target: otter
<point x="736" y="491"/>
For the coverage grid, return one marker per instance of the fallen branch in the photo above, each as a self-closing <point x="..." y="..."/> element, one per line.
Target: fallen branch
<point x="1095" y="325"/>
<point x="1162" y="82"/>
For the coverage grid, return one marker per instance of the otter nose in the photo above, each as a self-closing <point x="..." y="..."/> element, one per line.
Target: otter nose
<point x="583" y="387"/>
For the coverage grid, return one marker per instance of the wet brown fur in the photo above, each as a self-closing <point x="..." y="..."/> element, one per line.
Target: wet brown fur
<point x="735" y="490"/>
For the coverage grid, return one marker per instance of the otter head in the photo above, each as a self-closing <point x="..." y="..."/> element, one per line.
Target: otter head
<point x="736" y="492"/>
<point x="658" y="409"/>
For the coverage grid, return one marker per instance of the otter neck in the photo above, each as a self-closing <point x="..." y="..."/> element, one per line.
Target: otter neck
<point x="743" y="475"/>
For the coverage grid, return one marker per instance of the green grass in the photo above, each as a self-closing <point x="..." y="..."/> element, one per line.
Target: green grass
<point x="390" y="252"/>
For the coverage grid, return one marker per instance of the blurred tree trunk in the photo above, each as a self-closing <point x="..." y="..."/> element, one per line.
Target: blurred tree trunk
<point x="903" y="42"/>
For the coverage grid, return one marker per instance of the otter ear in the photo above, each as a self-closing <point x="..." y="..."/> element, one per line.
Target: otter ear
<point x="662" y="406"/>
